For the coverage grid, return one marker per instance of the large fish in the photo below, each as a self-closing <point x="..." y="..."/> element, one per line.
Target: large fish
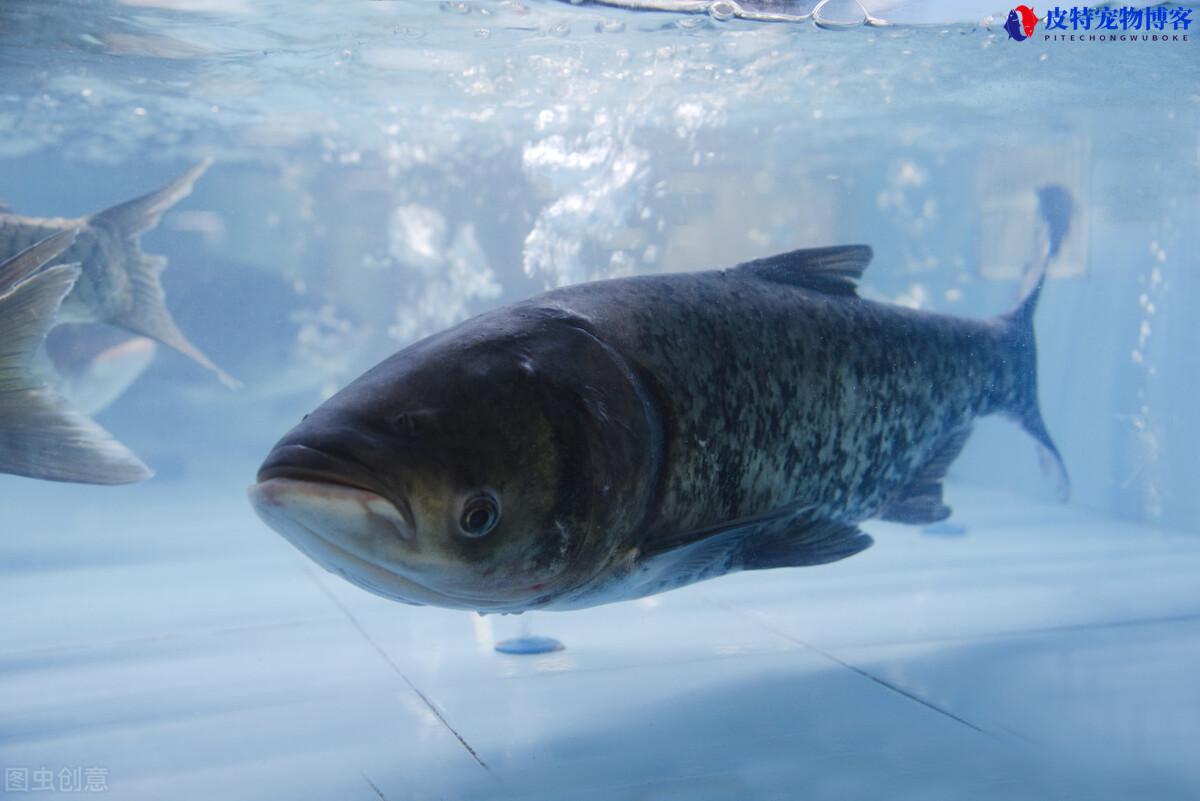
<point x="615" y="439"/>
<point x="41" y="436"/>
<point x="118" y="283"/>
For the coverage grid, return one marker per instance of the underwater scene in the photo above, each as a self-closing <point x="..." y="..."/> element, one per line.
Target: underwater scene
<point x="629" y="399"/>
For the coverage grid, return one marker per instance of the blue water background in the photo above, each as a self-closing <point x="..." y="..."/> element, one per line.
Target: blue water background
<point x="384" y="169"/>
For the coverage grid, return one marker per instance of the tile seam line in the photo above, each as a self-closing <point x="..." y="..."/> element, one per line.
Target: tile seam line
<point x="853" y="668"/>
<point x="373" y="787"/>
<point x="388" y="659"/>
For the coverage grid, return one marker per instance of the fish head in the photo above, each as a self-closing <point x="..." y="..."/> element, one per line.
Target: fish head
<point x="493" y="472"/>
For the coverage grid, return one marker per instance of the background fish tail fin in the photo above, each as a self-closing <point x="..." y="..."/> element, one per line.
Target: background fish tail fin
<point x="148" y="314"/>
<point x="1054" y="207"/>
<point x="31" y="259"/>
<point x="40" y="436"/>
<point x="135" y="217"/>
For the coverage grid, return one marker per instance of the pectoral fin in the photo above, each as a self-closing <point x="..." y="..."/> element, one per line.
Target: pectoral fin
<point x="40" y="436"/>
<point x="789" y="537"/>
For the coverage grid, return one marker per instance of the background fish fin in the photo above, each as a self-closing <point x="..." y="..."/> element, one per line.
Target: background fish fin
<point x="134" y="217"/>
<point x="40" y="436"/>
<point x="30" y="260"/>
<point x="920" y="500"/>
<point x="834" y="270"/>
<point x="148" y="314"/>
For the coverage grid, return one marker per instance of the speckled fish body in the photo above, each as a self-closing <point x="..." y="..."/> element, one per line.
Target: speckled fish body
<point x="616" y="439"/>
<point x="768" y="393"/>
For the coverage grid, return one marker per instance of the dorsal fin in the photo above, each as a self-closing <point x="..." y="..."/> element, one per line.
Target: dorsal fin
<point x="834" y="271"/>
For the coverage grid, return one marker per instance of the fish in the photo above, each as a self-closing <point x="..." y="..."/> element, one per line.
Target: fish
<point x="119" y="284"/>
<point x="1020" y="23"/>
<point x="92" y="365"/>
<point x="41" y="436"/>
<point x="611" y="440"/>
<point x="1012" y="26"/>
<point x="1029" y="19"/>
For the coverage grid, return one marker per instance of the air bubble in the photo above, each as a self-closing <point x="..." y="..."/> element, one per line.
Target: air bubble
<point x="840" y="14"/>
<point x="723" y="10"/>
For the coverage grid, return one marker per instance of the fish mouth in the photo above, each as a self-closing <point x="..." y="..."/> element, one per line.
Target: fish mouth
<point x="295" y="462"/>
<point x="298" y="509"/>
<point x="301" y="510"/>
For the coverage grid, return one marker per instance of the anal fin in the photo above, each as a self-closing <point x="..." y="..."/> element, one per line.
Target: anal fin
<point x="920" y="500"/>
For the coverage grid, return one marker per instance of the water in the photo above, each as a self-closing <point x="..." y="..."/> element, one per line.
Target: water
<point x="385" y="169"/>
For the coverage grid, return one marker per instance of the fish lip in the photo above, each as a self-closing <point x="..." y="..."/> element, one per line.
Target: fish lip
<point x="363" y="576"/>
<point x="287" y="463"/>
<point x="266" y="494"/>
<point x="317" y="547"/>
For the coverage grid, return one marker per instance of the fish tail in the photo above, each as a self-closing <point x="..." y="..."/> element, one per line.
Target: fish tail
<point x="40" y="435"/>
<point x="147" y="313"/>
<point x="1054" y="207"/>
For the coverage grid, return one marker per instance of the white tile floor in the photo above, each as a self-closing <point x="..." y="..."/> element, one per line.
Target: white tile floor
<point x="168" y="638"/>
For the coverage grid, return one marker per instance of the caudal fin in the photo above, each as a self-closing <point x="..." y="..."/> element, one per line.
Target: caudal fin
<point x="40" y="436"/>
<point x="147" y="314"/>
<point x="1054" y="207"/>
<point x="23" y="265"/>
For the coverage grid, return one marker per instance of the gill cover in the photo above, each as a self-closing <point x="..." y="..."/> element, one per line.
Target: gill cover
<point x="609" y="432"/>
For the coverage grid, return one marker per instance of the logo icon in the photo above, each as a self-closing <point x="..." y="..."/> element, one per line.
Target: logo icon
<point x="1020" y="24"/>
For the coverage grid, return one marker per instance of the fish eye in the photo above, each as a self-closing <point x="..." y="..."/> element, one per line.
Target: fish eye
<point x="480" y="514"/>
